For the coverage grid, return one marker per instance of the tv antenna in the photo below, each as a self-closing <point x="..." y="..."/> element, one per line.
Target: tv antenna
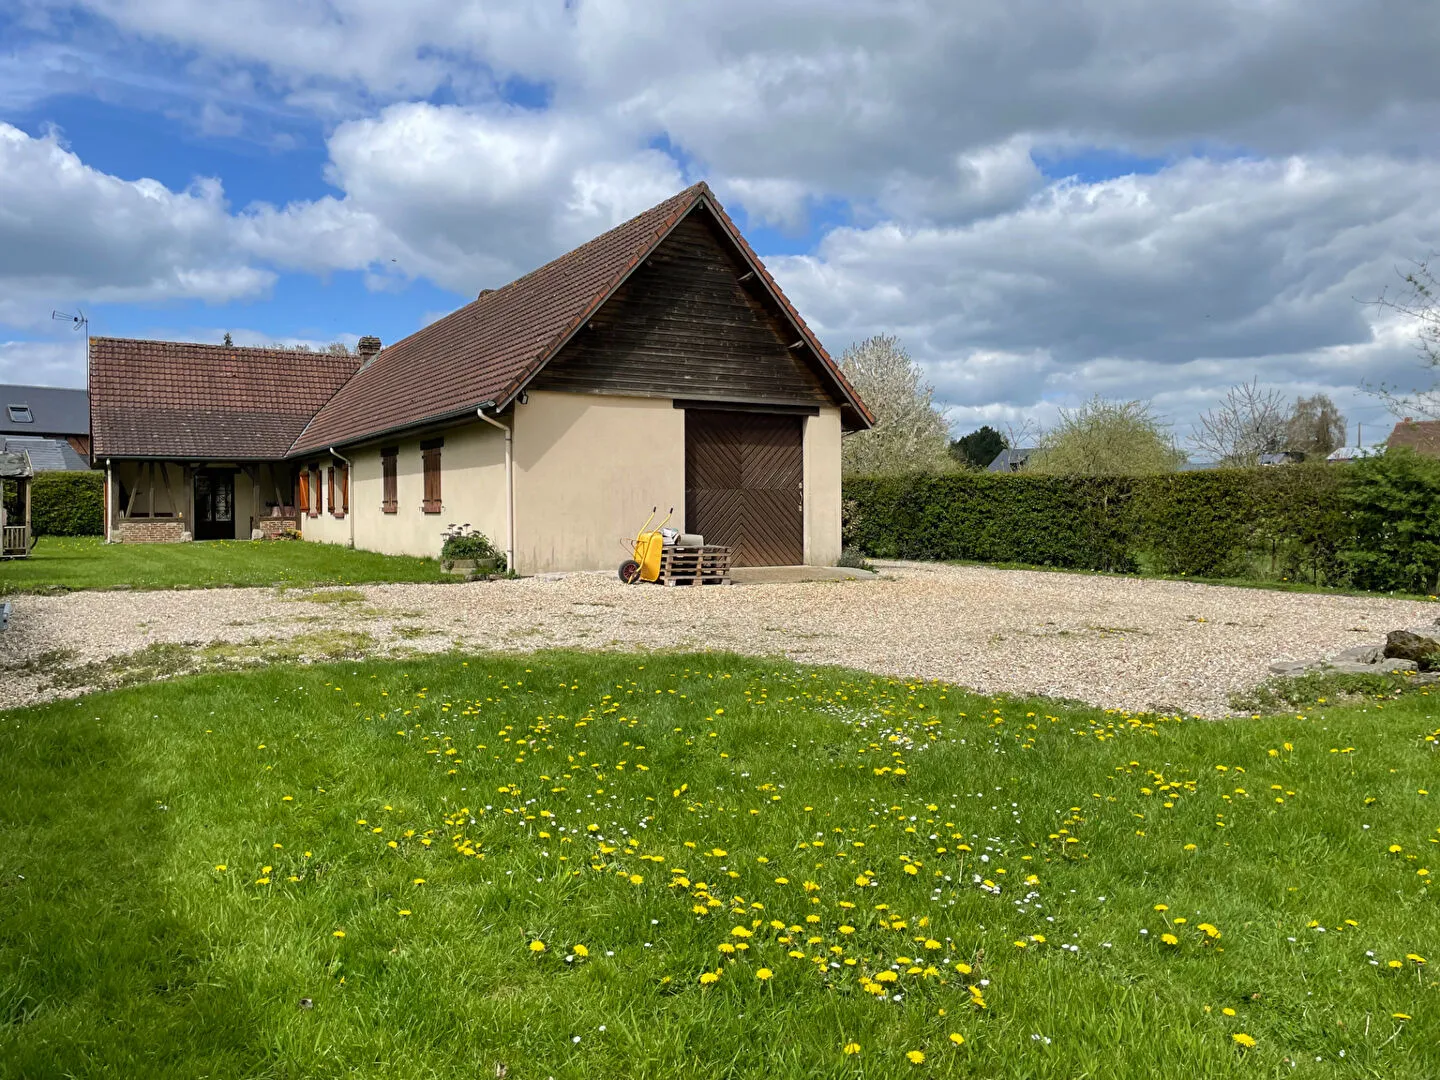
<point x="78" y="321"/>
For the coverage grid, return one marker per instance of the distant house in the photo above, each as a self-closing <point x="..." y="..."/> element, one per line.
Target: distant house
<point x="1282" y="457"/>
<point x="1422" y="436"/>
<point x="1354" y="453"/>
<point x="659" y="364"/>
<point x="1012" y="459"/>
<point x="48" y="412"/>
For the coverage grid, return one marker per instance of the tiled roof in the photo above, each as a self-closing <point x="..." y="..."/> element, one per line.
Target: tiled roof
<point x="180" y="400"/>
<point x="46" y="455"/>
<point x="54" y="410"/>
<point x="485" y="352"/>
<point x="1422" y="436"/>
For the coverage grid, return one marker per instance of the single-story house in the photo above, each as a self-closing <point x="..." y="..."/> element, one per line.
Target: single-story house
<point x="46" y="412"/>
<point x="656" y="365"/>
<point x="15" y="476"/>
<point x="1422" y="436"/>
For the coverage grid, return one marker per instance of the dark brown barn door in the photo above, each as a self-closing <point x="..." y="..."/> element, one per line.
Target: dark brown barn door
<point x="744" y="484"/>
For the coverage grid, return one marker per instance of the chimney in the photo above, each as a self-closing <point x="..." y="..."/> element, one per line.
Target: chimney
<point x="484" y="292"/>
<point x="367" y="347"/>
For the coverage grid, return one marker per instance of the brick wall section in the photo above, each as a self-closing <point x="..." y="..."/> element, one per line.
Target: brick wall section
<point x="150" y="532"/>
<point x="272" y="527"/>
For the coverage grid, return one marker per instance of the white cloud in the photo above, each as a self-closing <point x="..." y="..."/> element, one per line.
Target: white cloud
<point x="69" y="233"/>
<point x="43" y="363"/>
<point x="1171" y="286"/>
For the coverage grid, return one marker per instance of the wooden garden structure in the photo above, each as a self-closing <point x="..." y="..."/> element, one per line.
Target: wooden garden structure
<point x="16" y="474"/>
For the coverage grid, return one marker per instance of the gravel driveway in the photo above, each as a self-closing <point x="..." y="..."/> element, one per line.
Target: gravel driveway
<point x="1119" y="642"/>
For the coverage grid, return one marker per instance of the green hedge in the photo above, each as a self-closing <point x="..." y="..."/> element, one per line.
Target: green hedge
<point x="1374" y="524"/>
<point x="68" y="504"/>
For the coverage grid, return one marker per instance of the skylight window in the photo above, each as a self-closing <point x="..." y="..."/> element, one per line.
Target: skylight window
<point x="21" y="414"/>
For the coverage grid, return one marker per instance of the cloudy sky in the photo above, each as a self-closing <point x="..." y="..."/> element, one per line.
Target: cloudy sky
<point x="1137" y="198"/>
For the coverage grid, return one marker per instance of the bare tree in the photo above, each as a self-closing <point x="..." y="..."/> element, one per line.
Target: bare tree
<point x="1418" y="301"/>
<point x="910" y="432"/>
<point x="1315" y="427"/>
<point x="1247" y="423"/>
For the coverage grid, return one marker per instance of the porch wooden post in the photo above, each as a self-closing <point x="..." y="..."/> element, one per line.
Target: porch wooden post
<point x="27" y="484"/>
<point x="150" y="492"/>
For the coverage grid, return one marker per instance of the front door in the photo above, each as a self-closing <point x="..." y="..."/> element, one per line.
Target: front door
<point x="214" y="504"/>
<point x="744" y="489"/>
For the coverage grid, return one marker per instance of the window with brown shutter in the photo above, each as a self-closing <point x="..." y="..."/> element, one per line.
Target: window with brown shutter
<point x="317" y="496"/>
<point x="339" y="485"/>
<point x="302" y="491"/>
<point x="330" y="488"/>
<point x="430" y="458"/>
<point x="389" y="502"/>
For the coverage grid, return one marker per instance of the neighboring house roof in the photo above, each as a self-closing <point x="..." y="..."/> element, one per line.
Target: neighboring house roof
<point x="1282" y="457"/>
<point x="1011" y="460"/>
<point x="179" y="400"/>
<point x="486" y="352"/>
<point x="1355" y="453"/>
<point x="1422" y="436"/>
<point x="15" y="465"/>
<point x="46" y="455"/>
<point x="52" y="410"/>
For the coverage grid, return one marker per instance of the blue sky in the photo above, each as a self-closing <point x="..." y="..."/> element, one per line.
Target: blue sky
<point x="1124" y="198"/>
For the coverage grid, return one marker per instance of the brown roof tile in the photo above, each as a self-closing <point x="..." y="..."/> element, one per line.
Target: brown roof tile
<point x="181" y="400"/>
<point x="485" y="352"/>
<point x="1422" y="436"/>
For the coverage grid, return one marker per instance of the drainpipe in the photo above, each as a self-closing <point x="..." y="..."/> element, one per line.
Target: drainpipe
<point x="349" y="476"/>
<point x="509" y="487"/>
<point x="108" y="511"/>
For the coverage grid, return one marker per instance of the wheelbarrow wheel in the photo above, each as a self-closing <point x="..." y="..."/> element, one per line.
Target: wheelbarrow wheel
<point x="629" y="571"/>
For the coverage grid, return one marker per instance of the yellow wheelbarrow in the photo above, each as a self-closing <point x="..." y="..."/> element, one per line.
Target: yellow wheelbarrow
<point x="644" y="564"/>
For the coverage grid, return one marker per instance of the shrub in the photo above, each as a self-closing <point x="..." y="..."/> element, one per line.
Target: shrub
<point x="851" y="559"/>
<point x="463" y="542"/>
<point x="1394" y="506"/>
<point x="68" y="504"/>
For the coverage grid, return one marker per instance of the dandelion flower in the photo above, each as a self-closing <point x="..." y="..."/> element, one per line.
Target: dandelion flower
<point x="581" y="951"/>
<point x="916" y="1057"/>
<point x="1169" y="939"/>
<point x="764" y="973"/>
<point x="537" y="946"/>
<point x="1241" y="1039"/>
<point x="850" y="1049"/>
<point x="404" y="912"/>
<point x="957" y="1038"/>
<point x="1400" y="1016"/>
<point x="708" y="977"/>
<point x="338" y="933"/>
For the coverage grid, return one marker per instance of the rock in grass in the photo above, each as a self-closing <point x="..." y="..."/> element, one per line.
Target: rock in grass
<point x="1407" y="645"/>
<point x="1289" y="667"/>
<point x="1360" y="654"/>
<point x="1351" y="667"/>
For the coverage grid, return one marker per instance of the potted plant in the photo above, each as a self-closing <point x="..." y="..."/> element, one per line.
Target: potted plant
<point x="469" y="551"/>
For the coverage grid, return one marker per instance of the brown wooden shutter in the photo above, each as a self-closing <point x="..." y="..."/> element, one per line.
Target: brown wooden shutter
<point x="430" y="457"/>
<point x="302" y="488"/>
<point x="344" y="490"/>
<point x="330" y="488"/>
<point x="389" y="502"/>
<point x="316" y="495"/>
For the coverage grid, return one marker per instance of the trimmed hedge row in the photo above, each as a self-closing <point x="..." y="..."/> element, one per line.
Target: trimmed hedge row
<point x="1373" y="524"/>
<point x="68" y="504"/>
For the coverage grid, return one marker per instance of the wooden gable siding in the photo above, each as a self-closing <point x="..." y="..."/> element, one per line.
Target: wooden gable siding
<point x="684" y="326"/>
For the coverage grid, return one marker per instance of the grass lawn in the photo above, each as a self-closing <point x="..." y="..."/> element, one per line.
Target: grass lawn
<point x="88" y="563"/>
<point x="676" y="866"/>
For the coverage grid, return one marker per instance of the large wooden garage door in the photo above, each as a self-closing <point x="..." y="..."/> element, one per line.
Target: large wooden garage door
<point x="744" y="484"/>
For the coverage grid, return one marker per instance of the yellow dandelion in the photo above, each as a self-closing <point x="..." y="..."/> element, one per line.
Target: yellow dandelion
<point x="957" y="1038"/>
<point x="764" y="973"/>
<point x="850" y="1049"/>
<point x="537" y="946"/>
<point x="338" y="933"/>
<point x="915" y="1057"/>
<point x="581" y="951"/>
<point x="1241" y="1039"/>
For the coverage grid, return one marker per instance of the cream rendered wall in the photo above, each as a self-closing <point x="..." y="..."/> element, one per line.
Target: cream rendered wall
<point x="472" y="489"/>
<point x="588" y="468"/>
<point x="822" y="488"/>
<point x="326" y="528"/>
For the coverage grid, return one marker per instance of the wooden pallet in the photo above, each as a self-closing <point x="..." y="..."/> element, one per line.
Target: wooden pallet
<point x="708" y="565"/>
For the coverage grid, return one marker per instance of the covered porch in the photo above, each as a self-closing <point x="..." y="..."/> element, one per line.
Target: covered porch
<point x="167" y="501"/>
<point x="15" y="476"/>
